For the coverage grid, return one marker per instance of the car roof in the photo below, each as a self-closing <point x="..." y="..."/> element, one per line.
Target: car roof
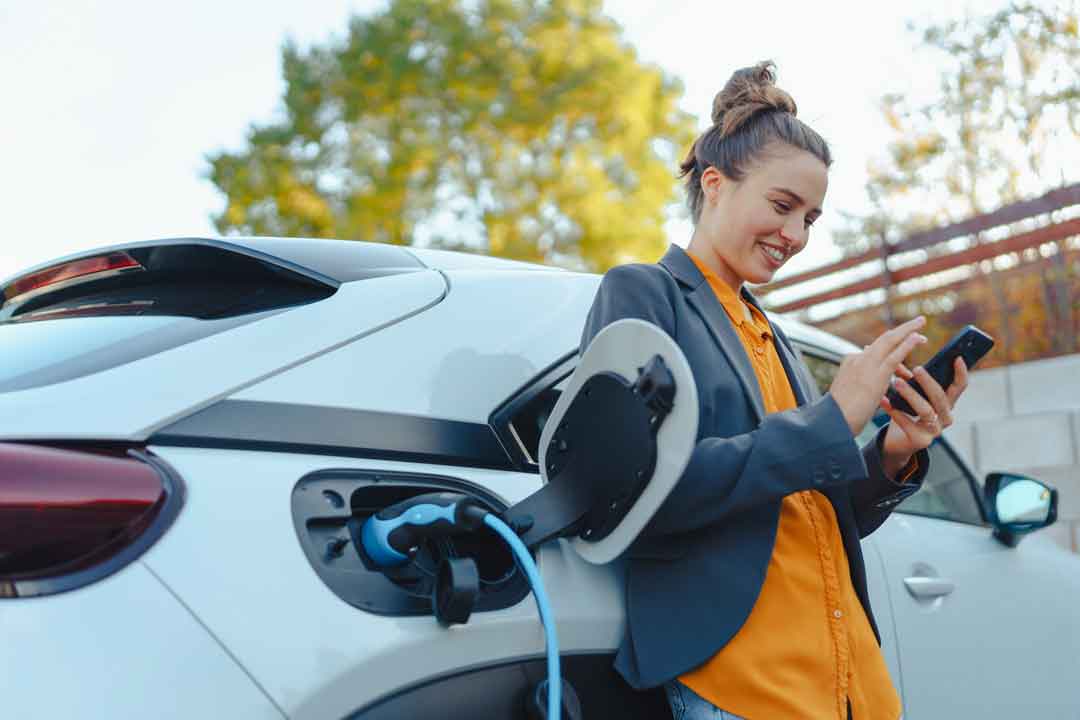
<point x="347" y="260"/>
<point x="334" y="260"/>
<point x="815" y="337"/>
<point x="455" y="260"/>
<point x="352" y="250"/>
<point x="345" y="253"/>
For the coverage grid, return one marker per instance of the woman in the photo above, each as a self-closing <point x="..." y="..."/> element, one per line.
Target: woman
<point x="746" y="593"/>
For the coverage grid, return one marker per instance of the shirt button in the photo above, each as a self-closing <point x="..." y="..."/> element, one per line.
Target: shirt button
<point x="837" y="614"/>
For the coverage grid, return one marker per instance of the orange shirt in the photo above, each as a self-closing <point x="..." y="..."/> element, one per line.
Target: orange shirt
<point x="807" y="647"/>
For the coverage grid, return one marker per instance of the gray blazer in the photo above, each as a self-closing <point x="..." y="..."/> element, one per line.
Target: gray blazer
<point x="695" y="571"/>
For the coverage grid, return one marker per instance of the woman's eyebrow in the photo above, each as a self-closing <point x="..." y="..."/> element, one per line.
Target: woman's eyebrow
<point x="794" y="196"/>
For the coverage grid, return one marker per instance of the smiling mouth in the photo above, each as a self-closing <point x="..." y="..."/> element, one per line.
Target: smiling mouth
<point x="773" y="252"/>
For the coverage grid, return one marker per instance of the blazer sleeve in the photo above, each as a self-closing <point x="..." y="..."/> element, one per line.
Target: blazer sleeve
<point x="875" y="497"/>
<point x="810" y="447"/>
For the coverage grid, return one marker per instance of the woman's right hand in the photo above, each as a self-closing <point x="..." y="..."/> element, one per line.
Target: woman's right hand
<point x="864" y="377"/>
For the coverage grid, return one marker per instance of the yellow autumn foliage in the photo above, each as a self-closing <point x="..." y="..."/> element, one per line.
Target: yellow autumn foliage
<point x="531" y="121"/>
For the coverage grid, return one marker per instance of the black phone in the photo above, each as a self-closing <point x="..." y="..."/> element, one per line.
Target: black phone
<point x="971" y="343"/>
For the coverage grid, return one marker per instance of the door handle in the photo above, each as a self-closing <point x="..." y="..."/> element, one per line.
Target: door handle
<point x="923" y="587"/>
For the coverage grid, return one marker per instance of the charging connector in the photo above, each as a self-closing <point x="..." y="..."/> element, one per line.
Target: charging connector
<point x="393" y="535"/>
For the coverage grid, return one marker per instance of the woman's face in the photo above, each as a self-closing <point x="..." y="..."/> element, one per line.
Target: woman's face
<point x="752" y="227"/>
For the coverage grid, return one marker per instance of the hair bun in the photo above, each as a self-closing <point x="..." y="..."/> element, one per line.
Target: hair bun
<point x="749" y="91"/>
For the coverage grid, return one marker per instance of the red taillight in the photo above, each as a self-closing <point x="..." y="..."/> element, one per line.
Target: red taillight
<point x="68" y="517"/>
<point x="64" y="272"/>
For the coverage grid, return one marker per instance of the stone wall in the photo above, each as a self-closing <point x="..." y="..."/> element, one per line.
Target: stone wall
<point x="1026" y="418"/>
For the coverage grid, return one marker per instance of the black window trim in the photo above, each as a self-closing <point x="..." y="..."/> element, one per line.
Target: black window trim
<point x="320" y="430"/>
<point x="805" y="348"/>
<point x="501" y="418"/>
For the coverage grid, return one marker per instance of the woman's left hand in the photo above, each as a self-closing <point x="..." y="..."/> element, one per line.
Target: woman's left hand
<point x="907" y="434"/>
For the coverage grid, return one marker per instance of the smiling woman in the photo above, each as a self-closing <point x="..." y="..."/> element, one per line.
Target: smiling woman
<point x="762" y="530"/>
<point x="755" y="180"/>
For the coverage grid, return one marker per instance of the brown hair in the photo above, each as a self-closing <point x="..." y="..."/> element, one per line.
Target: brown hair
<point x="748" y="114"/>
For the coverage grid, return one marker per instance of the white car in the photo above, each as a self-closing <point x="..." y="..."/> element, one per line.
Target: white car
<point x="188" y="426"/>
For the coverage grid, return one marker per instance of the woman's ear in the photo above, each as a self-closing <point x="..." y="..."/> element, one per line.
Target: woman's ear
<point x="712" y="180"/>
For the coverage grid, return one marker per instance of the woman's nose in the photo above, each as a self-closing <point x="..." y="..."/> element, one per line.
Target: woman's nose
<point x="795" y="236"/>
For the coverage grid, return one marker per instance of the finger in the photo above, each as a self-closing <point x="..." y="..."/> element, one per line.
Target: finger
<point x="919" y="405"/>
<point x="901" y="351"/>
<point x="960" y="380"/>
<point x="916" y="432"/>
<point x="890" y="339"/>
<point x="902" y="371"/>
<point x="935" y="395"/>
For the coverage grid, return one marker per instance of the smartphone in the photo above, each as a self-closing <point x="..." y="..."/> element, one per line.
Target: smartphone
<point x="971" y="343"/>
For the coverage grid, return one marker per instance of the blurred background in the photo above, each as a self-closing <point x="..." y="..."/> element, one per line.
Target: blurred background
<point x="551" y="131"/>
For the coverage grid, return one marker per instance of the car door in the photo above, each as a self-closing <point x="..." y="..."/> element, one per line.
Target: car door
<point x="982" y="629"/>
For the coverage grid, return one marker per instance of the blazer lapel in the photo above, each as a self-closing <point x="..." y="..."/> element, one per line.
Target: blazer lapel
<point x="704" y="301"/>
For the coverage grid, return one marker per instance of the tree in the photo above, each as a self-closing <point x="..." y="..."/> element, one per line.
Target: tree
<point x="521" y="128"/>
<point x="1004" y="124"/>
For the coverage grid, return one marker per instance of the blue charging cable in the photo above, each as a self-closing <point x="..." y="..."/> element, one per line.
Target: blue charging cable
<point x="526" y="562"/>
<point x="393" y="535"/>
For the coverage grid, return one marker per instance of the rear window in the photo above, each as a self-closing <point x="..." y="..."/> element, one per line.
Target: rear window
<point x="47" y="352"/>
<point x="58" y="324"/>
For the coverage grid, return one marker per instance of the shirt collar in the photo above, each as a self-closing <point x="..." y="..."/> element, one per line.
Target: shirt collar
<point x="733" y="305"/>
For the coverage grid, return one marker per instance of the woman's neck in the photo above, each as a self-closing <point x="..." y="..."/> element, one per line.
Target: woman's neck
<point x="703" y="250"/>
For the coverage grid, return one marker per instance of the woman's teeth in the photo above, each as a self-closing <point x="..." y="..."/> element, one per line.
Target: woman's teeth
<point x="775" y="254"/>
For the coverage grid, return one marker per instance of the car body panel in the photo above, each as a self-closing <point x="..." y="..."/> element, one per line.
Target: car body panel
<point x="120" y="648"/>
<point x="1004" y="643"/>
<point x="449" y="260"/>
<point x="877" y="588"/>
<point x="809" y="335"/>
<point x="459" y="360"/>
<point x="317" y="656"/>
<point x="225" y="616"/>
<point x="129" y="401"/>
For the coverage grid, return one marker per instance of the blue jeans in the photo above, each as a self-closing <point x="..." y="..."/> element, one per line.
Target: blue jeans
<point x="688" y="705"/>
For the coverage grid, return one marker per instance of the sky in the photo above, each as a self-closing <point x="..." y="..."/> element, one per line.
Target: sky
<point x="111" y="107"/>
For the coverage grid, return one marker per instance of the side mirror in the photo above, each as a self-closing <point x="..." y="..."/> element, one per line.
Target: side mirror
<point x="1018" y="505"/>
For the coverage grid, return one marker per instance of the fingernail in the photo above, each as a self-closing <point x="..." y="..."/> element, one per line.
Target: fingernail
<point x="922" y="338"/>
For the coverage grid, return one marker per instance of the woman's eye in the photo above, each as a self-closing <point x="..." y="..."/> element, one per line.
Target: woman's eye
<point x="781" y="207"/>
<point x="809" y="222"/>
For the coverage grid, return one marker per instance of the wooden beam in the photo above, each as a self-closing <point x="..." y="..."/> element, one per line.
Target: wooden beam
<point x="1021" y="269"/>
<point x="1054" y="200"/>
<point x="1015" y="243"/>
<point x="871" y="283"/>
<point x="845" y="264"/>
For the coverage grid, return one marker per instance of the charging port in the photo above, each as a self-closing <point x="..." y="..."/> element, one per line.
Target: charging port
<point x="330" y="506"/>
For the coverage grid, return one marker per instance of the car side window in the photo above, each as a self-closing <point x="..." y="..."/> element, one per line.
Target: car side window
<point x="823" y="370"/>
<point x="947" y="492"/>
